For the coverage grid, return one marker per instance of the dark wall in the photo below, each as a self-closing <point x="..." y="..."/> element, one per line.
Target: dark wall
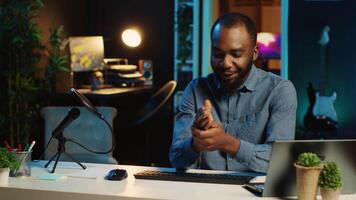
<point x="306" y="21"/>
<point x="70" y="14"/>
<point x="109" y="18"/>
<point x="153" y="18"/>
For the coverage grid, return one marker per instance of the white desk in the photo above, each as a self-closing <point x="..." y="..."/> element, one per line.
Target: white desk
<point x="90" y="188"/>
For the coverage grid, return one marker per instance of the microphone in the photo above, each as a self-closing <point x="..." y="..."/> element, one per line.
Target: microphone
<point x="87" y="103"/>
<point x="71" y="116"/>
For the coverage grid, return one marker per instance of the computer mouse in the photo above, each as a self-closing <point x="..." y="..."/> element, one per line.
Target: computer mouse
<point x="116" y="175"/>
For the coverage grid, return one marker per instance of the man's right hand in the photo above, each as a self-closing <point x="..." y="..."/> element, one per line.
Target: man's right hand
<point x="203" y="118"/>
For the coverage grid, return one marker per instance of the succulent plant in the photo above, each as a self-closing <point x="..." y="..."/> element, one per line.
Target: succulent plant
<point x="309" y="159"/>
<point x="330" y="176"/>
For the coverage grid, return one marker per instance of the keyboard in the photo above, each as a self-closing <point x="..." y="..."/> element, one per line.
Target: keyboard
<point x="194" y="177"/>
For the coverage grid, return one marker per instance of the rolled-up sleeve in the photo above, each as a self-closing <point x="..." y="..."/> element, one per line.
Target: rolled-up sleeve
<point x="280" y="126"/>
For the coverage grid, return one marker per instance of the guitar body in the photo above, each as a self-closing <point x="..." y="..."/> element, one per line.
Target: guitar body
<point x="324" y="106"/>
<point x="321" y="118"/>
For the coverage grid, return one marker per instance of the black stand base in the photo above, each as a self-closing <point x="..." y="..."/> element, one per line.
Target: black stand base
<point x="61" y="149"/>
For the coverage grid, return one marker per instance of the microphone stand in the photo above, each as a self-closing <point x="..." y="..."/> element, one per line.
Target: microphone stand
<point x="61" y="150"/>
<point x="62" y="140"/>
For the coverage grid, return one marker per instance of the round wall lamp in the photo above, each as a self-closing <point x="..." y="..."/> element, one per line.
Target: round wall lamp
<point x="131" y="37"/>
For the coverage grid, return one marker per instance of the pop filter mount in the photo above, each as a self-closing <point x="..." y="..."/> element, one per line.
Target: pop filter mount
<point x="88" y="105"/>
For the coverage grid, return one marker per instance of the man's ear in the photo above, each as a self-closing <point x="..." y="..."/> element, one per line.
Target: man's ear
<point x="255" y="53"/>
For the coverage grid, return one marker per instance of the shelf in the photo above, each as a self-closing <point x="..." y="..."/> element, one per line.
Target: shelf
<point x="184" y="73"/>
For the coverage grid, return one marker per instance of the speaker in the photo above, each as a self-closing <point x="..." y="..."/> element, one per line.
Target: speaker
<point x="145" y="67"/>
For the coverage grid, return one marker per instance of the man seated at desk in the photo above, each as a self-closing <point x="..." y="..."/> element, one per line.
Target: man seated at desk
<point x="229" y="119"/>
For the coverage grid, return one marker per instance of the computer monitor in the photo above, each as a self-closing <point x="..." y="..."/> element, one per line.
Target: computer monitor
<point x="281" y="174"/>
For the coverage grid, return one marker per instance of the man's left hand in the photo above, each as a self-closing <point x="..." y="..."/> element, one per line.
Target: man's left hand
<point x="215" y="138"/>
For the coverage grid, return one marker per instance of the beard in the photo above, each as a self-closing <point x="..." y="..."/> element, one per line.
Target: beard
<point x="232" y="79"/>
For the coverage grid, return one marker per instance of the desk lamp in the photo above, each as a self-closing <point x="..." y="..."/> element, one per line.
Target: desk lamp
<point x="125" y="74"/>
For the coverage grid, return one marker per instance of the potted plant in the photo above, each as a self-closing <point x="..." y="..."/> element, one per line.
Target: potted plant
<point x="308" y="168"/>
<point x="330" y="181"/>
<point x="8" y="162"/>
<point x="184" y="28"/>
<point x="57" y="63"/>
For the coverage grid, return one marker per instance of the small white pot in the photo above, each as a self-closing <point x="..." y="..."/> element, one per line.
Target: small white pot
<point x="330" y="194"/>
<point x="4" y="176"/>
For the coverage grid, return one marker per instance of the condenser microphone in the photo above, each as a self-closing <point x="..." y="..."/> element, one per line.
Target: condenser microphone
<point x="71" y="116"/>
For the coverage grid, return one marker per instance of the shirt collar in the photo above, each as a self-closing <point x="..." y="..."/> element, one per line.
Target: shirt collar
<point x="252" y="79"/>
<point x="249" y="84"/>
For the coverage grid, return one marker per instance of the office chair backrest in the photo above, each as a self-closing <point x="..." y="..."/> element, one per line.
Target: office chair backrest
<point x="157" y="100"/>
<point x="87" y="130"/>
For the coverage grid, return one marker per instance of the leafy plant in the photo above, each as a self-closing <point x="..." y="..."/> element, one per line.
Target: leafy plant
<point x="20" y="52"/>
<point x="330" y="176"/>
<point x="309" y="159"/>
<point x="8" y="159"/>
<point x="56" y="62"/>
<point x="184" y="29"/>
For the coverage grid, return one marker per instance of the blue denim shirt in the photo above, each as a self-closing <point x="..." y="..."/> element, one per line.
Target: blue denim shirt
<point x="259" y="112"/>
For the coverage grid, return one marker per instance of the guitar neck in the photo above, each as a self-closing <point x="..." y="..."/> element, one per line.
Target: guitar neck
<point x="322" y="70"/>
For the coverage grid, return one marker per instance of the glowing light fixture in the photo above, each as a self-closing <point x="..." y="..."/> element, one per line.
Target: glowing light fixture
<point x="265" y="38"/>
<point x="131" y="37"/>
<point x="269" y="45"/>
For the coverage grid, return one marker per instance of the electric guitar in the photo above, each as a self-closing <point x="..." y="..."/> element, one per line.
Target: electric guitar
<point x="321" y="118"/>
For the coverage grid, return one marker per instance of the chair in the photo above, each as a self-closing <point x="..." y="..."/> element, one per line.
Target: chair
<point x="153" y="105"/>
<point x="87" y="130"/>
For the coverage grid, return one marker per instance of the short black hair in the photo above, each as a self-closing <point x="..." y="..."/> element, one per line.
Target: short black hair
<point x="230" y="20"/>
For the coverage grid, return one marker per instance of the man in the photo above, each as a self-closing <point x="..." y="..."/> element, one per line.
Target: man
<point x="229" y="119"/>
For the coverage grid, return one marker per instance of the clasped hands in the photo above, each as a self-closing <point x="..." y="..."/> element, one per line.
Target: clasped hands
<point x="208" y="135"/>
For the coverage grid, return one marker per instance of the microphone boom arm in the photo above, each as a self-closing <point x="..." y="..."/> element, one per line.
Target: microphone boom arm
<point x="88" y="105"/>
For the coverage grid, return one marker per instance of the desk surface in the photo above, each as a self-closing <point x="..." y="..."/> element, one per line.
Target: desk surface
<point x="90" y="184"/>
<point x="117" y="90"/>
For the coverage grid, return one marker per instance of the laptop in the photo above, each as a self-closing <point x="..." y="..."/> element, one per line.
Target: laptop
<point x="281" y="175"/>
